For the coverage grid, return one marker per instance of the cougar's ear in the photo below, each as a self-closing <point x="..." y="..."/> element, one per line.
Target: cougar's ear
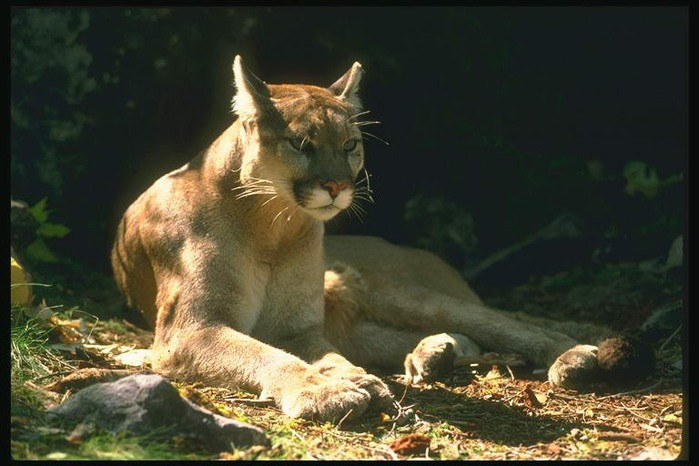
<point x="251" y="92"/>
<point x="347" y="86"/>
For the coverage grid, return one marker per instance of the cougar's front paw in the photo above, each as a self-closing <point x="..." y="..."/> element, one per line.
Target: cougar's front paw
<point x="324" y="399"/>
<point x="381" y="396"/>
<point x="576" y="366"/>
<point x="432" y="358"/>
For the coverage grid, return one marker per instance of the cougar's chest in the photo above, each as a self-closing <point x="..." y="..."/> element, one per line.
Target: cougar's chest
<point x="293" y="296"/>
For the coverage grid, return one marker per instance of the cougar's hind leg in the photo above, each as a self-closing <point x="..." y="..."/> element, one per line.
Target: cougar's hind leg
<point x="422" y="309"/>
<point x="416" y="291"/>
<point x="430" y="312"/>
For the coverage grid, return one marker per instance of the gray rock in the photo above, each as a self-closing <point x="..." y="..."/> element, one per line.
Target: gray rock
<point x="141" y="403"/>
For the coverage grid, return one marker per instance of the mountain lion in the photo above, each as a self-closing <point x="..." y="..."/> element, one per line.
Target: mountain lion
<point x="225" y="257"/>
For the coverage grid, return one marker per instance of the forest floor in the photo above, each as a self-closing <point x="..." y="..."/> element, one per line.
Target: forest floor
<point x="477" y="412"/>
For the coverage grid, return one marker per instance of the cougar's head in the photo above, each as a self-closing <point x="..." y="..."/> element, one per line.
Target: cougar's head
<point x="301" y="143"/>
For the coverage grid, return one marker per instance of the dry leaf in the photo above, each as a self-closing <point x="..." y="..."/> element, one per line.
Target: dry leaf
<point x="134" y="358"/>
<point x="554" y="449"/>
<point x="672" y="418"/>
<point x="411" y="444"/>
<point x="494" y="373"/>
<point x="530" y="398"/>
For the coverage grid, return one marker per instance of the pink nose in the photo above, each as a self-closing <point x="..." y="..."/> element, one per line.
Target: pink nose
<point x="334" y="188"/>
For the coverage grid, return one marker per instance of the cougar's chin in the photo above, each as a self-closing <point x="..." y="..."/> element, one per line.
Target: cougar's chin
<point x="323" y="213"/>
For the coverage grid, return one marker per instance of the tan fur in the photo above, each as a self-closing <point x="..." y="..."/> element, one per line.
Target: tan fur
<point x="224" y="257"/>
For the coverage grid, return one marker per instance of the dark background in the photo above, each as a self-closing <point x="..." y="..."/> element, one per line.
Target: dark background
<point x="498" y="119"/>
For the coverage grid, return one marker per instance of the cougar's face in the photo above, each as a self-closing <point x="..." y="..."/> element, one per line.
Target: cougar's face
<point x="314" y="152"/>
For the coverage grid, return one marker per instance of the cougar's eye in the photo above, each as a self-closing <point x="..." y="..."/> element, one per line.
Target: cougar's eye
<point x="350" y="145"/>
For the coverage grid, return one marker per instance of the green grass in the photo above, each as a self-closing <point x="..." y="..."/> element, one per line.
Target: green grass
<point x="29" y="350"/>
<point x="53" y="444"/>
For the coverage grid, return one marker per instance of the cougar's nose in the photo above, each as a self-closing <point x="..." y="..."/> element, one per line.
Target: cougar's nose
<point x="334" y="188"/>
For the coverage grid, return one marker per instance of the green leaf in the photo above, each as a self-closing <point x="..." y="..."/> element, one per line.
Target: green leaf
<point x="39" y="211"/>
<point x="52" y="230"/>
<point x="40" y="252"/>
<point x="641" y="178"/>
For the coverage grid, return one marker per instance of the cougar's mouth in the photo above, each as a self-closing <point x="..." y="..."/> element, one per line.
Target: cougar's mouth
<point x="319" y="204"/>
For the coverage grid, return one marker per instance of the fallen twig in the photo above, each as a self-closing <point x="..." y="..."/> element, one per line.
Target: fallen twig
<point x="252" y="401"/>
<point x="668" y="339"/>
<point x="343" y="418"/>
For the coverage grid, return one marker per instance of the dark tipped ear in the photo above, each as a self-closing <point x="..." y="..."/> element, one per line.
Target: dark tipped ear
<point x="251" y="92"/>
<point x="347" y="86"/>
